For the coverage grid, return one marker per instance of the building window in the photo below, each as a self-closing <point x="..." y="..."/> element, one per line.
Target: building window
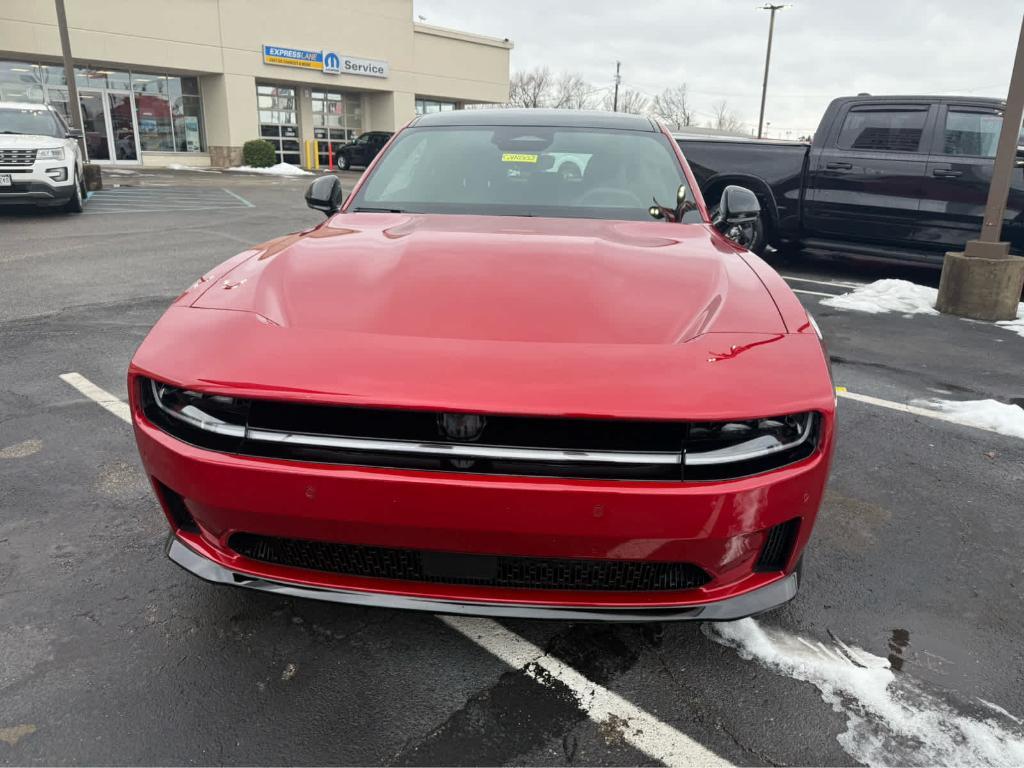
<point x="429" y="106"/>
<point x="168" y="113"/>
<point x="279" y="123"/>
<point x="22" y="81"/>
<point x="337" y="119"/>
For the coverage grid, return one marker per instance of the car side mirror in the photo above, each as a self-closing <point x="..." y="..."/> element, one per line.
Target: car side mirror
<point x="325" y="194"/>
<point x="738" y="206"/>
<point x="74" y="133"/>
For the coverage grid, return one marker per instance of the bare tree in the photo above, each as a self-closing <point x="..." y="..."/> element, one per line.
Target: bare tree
<point x="630" y="101"/>
<point x="530" y="88"/>
<point x="672" y="106"/>
<point x="571" y="91"/>
<point x="725" y="119"/>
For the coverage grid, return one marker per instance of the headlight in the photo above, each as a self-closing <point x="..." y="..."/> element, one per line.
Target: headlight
<point x="210" y="413"/>
<point x="717" y="450"/>
<point x="54" y="153"/>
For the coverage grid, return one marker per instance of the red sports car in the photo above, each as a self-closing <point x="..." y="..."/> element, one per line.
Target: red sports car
<point x="482" y="386"/>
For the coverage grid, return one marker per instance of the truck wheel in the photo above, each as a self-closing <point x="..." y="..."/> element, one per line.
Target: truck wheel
<point x="341" y="163"/>
<point x="77" y="201"/>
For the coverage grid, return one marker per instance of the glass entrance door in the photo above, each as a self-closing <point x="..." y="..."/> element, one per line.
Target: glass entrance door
<point x="108" y="118"/>
<point x="94" y="123"/>
<point x="125" y="139"/>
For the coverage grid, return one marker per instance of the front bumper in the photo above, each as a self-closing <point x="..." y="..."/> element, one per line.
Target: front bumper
<point x="36" y="188"/>
<point x="751" y="603"/>
<point x="717" y="526"/>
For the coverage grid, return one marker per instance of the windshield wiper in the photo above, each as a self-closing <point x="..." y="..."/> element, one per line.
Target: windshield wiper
<point x="16" y="133"/>
<point x="379" y="210"/>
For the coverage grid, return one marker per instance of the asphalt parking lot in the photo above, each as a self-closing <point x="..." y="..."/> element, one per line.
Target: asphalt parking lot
<point x="109" y="654"/>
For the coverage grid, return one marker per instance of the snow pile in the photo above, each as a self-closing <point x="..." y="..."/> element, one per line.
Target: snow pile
<point x="281" y="169"/>
<point x="986" y="414"/>
<point x="890" y="720"/>
<point x="905" y="297"/>
<point x="888" y="296"/>
<point x="1017" y="326"/>
<point x="180" y="167"/>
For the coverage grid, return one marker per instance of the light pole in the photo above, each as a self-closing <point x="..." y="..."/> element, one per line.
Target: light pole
<point x="69" y="67"/>
<point x="767" y="61"/>
<point x="985" y="281"/>
<point x="618" y="78"/>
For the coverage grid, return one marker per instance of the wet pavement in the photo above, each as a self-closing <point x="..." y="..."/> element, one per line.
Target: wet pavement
<point x="109" y="654"/>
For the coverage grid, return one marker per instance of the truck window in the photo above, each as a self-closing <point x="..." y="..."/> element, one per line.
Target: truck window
<point x="971" y="133"/>
<point x="894" y="130"/>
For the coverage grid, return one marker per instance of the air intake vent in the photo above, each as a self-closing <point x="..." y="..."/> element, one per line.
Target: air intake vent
<point x="175" y="506"/>
<point x="778" y="545"/>
<point x="481" y="570"/>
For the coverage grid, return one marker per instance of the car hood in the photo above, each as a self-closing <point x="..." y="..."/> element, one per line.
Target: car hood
<point x="26" y="141"/>
<point x="501" y="279"/>
<point x="527" y="316"/>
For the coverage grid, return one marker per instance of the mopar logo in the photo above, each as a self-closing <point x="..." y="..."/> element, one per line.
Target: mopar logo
<point x="332" y="63"/>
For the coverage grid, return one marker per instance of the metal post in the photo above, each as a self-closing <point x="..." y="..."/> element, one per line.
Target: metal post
<point x="1006" y="151"/>
<point x="985" y="280"/>
<point x="618" y="78"/>
<point x="767" y="61"/>
<point x="69" y="71"/>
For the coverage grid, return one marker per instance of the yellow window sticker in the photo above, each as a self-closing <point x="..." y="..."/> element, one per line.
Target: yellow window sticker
<point x="518" y="157"/>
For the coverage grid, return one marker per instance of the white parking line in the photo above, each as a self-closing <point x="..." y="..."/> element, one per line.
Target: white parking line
<point x="644" y="731"/>
<point x="813" y="293"/>
<point x="233" y="194"/>
<point x="914" y="410"/>
<point x="117" y="407"/>
<point x="836" y="283"/>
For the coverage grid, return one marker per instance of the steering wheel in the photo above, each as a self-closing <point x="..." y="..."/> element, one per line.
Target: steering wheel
<point x="611" y="197"/>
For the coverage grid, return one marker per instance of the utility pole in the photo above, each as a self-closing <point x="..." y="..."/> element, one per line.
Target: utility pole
<point x="69" y="69"/>
<point x="984" y="282"/>
<point x="767" y="61"/>
<point x="618" y="79"/>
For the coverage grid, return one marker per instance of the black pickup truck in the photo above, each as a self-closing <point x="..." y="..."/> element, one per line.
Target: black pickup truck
<point x="895" y="177"/>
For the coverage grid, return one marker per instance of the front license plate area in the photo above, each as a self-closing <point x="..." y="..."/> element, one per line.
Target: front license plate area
<point x="443" y="565"/>
<point x="5" y="179"/>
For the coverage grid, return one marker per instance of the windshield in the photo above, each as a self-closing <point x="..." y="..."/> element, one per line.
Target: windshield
<point x="35" y="122"/>
<point x="525" y="171"/>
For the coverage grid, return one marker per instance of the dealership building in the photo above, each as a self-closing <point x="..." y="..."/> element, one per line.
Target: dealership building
<point x="188" y="82"/>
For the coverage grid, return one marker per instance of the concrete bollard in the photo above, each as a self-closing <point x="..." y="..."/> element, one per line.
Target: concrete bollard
<point x="983" y="283"/>
<point x="93" y="177"/>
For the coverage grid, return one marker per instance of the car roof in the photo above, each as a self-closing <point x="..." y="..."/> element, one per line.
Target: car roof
<point x="541" y="118"/>
<point x="24" y="105"/>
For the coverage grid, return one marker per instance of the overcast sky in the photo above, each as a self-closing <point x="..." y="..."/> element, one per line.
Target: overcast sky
<point x="822" y="48"/>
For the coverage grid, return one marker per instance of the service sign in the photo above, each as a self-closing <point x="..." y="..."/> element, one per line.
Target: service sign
<point x="328" y="62"/>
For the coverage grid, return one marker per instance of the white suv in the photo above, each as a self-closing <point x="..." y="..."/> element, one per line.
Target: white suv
<point x="40" y="159"/>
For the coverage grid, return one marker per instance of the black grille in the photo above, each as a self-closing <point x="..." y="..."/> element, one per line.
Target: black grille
<point x="527" y="446"/>
<point x="454" y="568"/>
<point x="777" y="546"/>
<point x="17" y="156"/>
